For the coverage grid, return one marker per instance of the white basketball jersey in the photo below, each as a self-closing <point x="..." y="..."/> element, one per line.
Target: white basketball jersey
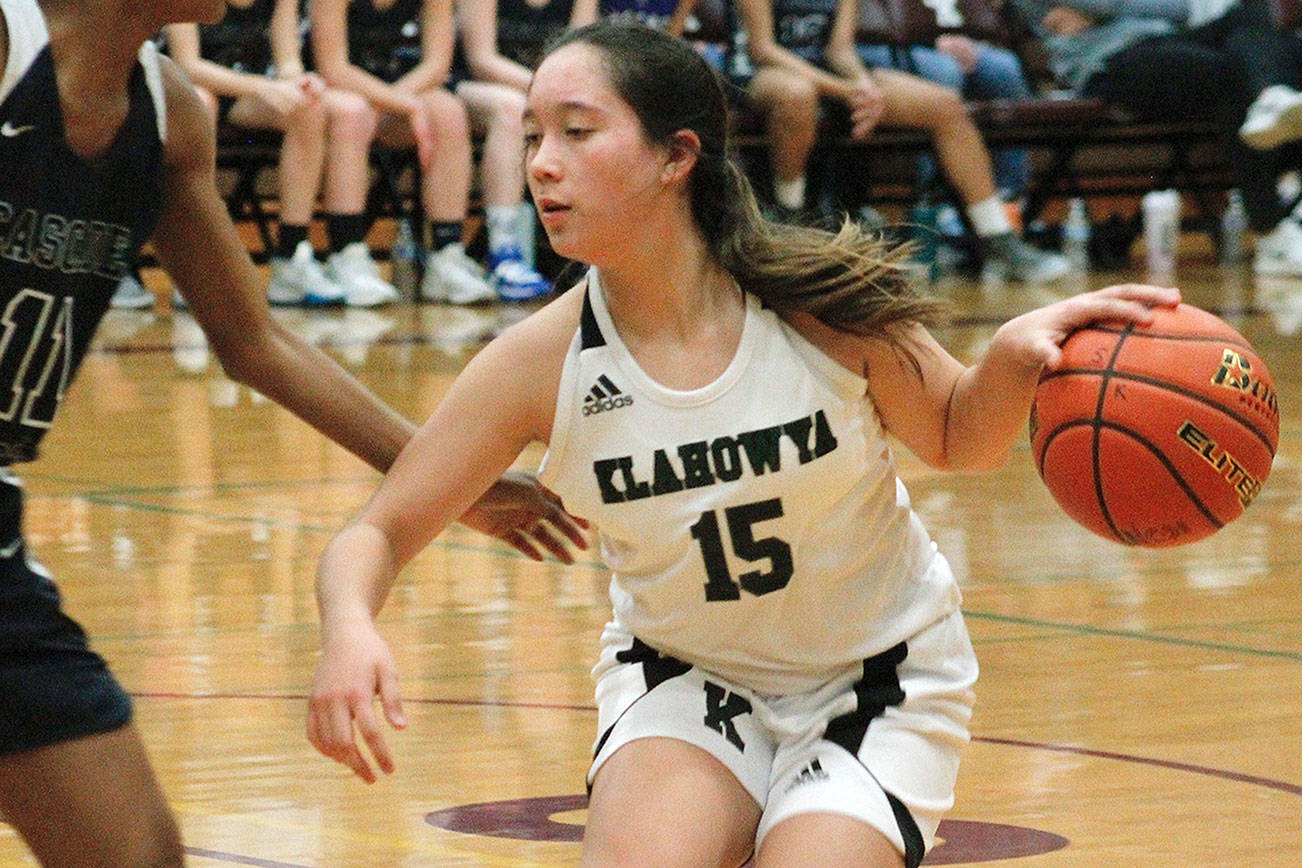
<point x="755" y="527"/>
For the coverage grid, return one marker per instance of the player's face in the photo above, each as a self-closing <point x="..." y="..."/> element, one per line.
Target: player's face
<point x="594" y="177"/>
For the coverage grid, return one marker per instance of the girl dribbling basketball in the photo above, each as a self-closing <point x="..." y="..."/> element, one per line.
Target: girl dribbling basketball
<point x="786" y="672"/>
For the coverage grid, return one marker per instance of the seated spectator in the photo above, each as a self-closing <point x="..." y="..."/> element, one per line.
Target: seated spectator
<point x="489" y="63"/>
<point x="524" y="28"/>
<point x="249" y="71"/>
<point x="804" y="59"/>
<point x="978" y="70"/>
<point x="371" y="50"/>
<point x="1145" y="56"/>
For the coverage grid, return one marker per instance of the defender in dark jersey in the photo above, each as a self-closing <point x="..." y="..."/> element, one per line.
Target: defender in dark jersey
<point x="104" y="144"/>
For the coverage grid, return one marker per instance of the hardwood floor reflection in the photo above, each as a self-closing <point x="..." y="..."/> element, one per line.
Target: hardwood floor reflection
<point x="1135" y="706"/>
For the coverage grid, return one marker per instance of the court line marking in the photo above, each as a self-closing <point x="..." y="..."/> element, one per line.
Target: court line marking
<point x="1137" y="635"/>
<point x="1173" y="765"/>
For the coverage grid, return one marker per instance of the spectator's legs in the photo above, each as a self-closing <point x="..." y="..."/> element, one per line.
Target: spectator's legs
<point x="445" y="183"/>
<point x="350" y="127"/>
<point x="789" y="105"/>
<point x="497" y="111"/>
<point x="296" y="276"/>
<point x="351" y="123"/>
<point x="1175" y="78"/>
<point x="450" y="275"/>
<point x="302" y="152"/>
<point x="914" y="102"/>
<point x="1247" y="33"/>
<point x="998" y="74"/>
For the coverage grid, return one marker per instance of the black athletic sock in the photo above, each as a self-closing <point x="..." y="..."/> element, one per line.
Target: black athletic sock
<point x="288" y="239"/>
<point x="445" y="233"/>
<point x="345" y="229"/>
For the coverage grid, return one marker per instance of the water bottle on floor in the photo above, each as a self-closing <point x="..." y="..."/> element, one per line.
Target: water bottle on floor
<point x="1076" y="232"/>
<point x="405" y="259"/>
<point x="1234" y="224"/>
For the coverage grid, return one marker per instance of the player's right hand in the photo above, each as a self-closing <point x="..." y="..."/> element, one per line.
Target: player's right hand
<point x="423" y="133"/>
<point x="356" y="668"/>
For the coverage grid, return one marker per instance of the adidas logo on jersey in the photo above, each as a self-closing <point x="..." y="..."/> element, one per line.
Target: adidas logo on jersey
<point x="603" y="396"/>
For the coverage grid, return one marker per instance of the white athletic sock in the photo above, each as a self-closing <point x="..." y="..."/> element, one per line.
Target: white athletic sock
<point x="501" y="221"/>
<point x="790" y="194"/>
<point x="989" y="217"/>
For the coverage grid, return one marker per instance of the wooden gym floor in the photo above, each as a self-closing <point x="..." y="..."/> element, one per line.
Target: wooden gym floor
<point x="1135" y="706"/>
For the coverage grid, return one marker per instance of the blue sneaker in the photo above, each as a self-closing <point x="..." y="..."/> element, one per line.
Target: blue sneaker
<point x="513" y="279"/>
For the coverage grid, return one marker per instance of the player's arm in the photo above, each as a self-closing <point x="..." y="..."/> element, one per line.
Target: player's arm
<point x="477" y="21"/>
<point x="967" y="418"/>
<point x="203" y="253"/>
<point x="488" y="416"/>
<point x="205" y="257"/>
<point x="183" y="48"/>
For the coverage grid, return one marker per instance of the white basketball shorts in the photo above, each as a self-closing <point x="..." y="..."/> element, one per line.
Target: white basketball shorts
<point x="880" y="743"/>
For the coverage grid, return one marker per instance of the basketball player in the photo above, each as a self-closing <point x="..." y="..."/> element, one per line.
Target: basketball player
<point x="787" y="671"/>
<point x="103" y="143"/>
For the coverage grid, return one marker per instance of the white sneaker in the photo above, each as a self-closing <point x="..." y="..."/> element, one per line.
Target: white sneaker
<point x="1273" y="119"/>
<point x="131" y="295"/>
<point x="301" y="280"/>
<point x="354" y="270"/>
<point x="1280" y="250"/>
<point x="514" y="279"/>
<point x="452" y="276"/>
<point x="1010" y="258"/>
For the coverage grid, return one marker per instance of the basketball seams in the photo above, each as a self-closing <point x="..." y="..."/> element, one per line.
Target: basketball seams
<point x="1096" y="426"/>
<point x="1235" y="340"/>
<point x="1089" y="436"/>
<point x="1165" y="385"/>
<point x="1176" y="476"/>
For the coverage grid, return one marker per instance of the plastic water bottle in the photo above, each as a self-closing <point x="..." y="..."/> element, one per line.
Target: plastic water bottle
<point x="1076" y="235"/>
<point x="1161" y="229"/>
<point x="405" y="259"/>
<point x="1234" y="224"/>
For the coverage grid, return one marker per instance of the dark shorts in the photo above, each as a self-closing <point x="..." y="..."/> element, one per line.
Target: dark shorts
<point x="53" y="687"/>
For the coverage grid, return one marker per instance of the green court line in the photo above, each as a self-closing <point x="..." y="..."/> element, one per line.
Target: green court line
<point x="1136" y="635"/>
<point x="106" y="498"/>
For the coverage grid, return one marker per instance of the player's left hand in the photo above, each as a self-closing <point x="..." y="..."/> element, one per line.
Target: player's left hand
<point x="1035" y="338"/>
<point x="525" y="515"/>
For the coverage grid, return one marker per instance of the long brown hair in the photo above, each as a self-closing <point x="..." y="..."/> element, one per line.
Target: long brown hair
<point x="849" y="279"/>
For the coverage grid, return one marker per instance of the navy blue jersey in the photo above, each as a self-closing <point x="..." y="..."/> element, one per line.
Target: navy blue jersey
<point x="803" y="27"/>
<point x="384" y="42"/>
<point x="240" y="41"/>
<point x="523" y="30"/>
<point x="70" y="228"/>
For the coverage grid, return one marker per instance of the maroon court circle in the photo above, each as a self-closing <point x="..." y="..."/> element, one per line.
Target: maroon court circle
<point x="963" y="841"/>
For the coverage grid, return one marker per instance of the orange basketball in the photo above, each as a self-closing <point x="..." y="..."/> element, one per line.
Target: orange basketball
<point x="1156" y="436"/>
